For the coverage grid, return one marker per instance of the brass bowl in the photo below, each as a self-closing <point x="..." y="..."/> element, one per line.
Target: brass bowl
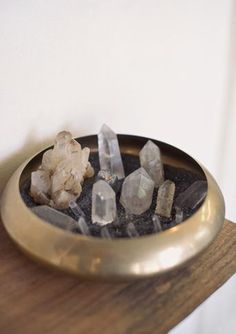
<point x="115" y="259"/>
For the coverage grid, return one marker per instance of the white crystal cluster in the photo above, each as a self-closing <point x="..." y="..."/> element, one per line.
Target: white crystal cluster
<point x="138" y="187"/>
<point x="59" y="179"/>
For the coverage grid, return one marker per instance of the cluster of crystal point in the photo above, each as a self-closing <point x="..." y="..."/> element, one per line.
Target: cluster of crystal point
<point x="59" y="179"/>
<point x="109" y="152"/>
<point x="103" y="203"/>
<point x="150" y="160"/>
<point x="165" y="199"/>
<point x="137" y="191"/>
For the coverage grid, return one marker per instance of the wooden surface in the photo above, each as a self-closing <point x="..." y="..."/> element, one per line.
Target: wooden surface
<point x="37" y="300"/>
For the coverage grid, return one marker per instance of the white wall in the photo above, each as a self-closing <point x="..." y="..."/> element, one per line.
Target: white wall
<point x="157" y="68"/>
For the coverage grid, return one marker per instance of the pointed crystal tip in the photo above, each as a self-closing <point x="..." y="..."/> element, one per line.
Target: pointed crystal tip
<point x="150" y="160"/>
<point x="109" y="152"/>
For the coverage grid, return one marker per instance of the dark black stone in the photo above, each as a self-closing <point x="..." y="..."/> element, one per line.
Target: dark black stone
<point x="143" y="223"/>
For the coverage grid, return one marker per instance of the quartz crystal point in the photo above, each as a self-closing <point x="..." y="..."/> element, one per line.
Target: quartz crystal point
<point x="109" y="152"/>
<point x="80" y="215"/>
<point x="150" y="160"/>
<point x="55" y="217"/>
<point x="75" y="208"/>
<point x="179" y="215"/>
<point x="165" y="199"/>
<point x="103" y="203"/>
<point x="83" y="226"/>
<point x="137" y="191"/>
<point x="40" y="186"/>
<point x="59" y="179"/>
<point x="131" y="231"/>
<point x="156" y="224"/>
<point x="105" y="233"/>
<point x="192" y="196"/>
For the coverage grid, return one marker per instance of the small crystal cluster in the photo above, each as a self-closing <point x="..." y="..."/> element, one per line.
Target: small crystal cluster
<point x="59" y="179"/>
<point x="58" y="183"/>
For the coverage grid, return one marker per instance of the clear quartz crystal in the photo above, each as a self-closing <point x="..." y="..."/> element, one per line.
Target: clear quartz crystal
<point x="150" y="160"/>
<point x="131" y="231"/>
<point x="192" y="196"/>
<point x="156" y="224"/>
<point x="76" y="209"/>
<point x="165" y="199"/>
<point x="103" y="203"/>
<point x="55" y="217"/>
<point x="80" y="215"/>
<point x="137" y="191"/>
<point x="179" y="215"/>
<point x="105" y="233"/>
<point x="109" y="152"/>
<point x="83" y="226"/>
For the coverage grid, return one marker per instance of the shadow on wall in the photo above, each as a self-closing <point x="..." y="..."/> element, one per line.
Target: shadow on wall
<point x="31" y="146"/>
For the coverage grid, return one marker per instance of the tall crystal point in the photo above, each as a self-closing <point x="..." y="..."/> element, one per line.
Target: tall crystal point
<point x="103" y="203"/>
<point x="165" y="198"/>
<point x="192" y="196"/>
<point x="137" y="191"/>
<point x="109" y="152"/>
<point x="150" y="160"/>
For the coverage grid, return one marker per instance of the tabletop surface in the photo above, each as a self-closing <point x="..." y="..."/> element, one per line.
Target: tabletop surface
<point x="34" y="299"/>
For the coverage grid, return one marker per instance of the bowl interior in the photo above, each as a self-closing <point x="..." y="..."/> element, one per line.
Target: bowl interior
<point x="179" y="167"/>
